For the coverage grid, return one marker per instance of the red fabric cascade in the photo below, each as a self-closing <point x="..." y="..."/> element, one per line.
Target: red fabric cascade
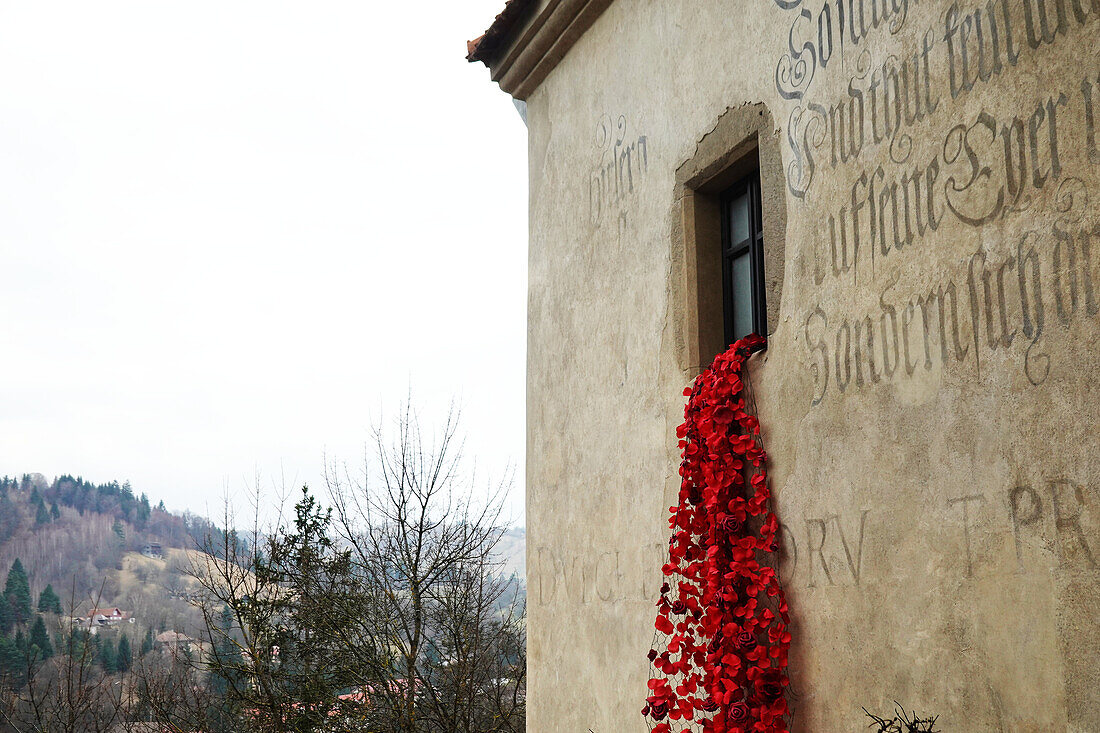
<point x="722" y="616"/>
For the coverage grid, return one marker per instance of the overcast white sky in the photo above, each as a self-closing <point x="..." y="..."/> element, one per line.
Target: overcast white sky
<point x="233" y="233"/>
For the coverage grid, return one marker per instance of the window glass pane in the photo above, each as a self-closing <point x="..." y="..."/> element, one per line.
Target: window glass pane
<point x="741" y="282"/>
<point x="739" y="219"/>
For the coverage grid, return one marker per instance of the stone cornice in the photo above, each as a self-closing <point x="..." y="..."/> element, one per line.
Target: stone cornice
<point x="541" y="42"/>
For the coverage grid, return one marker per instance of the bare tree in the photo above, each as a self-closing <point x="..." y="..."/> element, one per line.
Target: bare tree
<point x="478" y="644"/>
<point x="170" y="693"/>
<point x="442" y="647"/>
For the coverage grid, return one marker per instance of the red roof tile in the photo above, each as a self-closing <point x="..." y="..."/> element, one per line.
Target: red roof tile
<point x="485" y="48"/>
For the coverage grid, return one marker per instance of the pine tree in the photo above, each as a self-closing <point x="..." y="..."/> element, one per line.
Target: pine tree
<point x="41" y="515"/>
<point x="55" y="513"/>
<point x="108" y="658"/>
<point x="12" y="665"/>
<point x="144" y="511"/>
<point x="120" y="531"/>
<point x="147" y="642"/>
<point x="125" y="657"/>
<point x="80" y="645"/>
<point x="17" y="591"/>
<point x="49" y="601"/>
<point x="227" y="655"/>
<point x="313" y="667"/>
<point x="41" y="638"/>
<point x="9" y="518"/>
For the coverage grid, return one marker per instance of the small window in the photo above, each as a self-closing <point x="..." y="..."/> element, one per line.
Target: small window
<point x="743" y="260"/>
<point x="729" y="199"/>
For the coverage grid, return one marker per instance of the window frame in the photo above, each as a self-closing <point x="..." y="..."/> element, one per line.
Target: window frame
<point x="742" y="139"/>
<point x="729" y="250"/>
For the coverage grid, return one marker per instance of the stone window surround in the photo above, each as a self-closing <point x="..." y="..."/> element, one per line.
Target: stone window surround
<point x="742" y="139"/>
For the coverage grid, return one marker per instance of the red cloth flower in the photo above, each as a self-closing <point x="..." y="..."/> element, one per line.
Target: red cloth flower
<point x="769" y="685"/>
<point x="725" y="668"/>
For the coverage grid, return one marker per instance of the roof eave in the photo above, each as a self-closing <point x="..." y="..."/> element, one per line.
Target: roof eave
<point x="530" y="38"/>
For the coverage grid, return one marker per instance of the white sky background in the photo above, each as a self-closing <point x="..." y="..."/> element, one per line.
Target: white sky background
<point x="233" y="234"/>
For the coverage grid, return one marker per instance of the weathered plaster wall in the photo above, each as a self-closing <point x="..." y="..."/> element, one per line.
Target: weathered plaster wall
<point x="929" y="394"/>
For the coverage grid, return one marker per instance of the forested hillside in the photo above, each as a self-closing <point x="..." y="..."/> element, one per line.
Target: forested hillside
<point x="116" y="613"/>
<point x="85" y="541"/>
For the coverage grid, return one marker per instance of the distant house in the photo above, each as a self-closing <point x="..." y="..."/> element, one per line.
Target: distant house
<point x="99" y="618"/>
<point x="131" y="727"/>
<point x="153" y="550"/>
<point x="108" y="617"/>
<point x="173" y="640"/>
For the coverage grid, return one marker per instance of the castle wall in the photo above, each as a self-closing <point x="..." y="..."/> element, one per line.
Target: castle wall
<point x="929" y="395"/>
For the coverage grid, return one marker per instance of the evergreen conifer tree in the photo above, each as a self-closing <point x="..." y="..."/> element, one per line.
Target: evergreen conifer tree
<point x="41" y="515"/>
<point x="55" y="513"/>
<point x="120" y="531"/>
<point x="147" y="642"/>
<point x="227" y="654"/>
<point x="17" y="591"/>
<point x="144" y="510"/>
<point x="108" y="657"/>
<point x="9" y="518"/>
<point x="12" y="666"/>
<point x="49" y="601"/>
<point x="124" y="660"/>
<point x="77" y="646"/>
<point x="41" y="638"/>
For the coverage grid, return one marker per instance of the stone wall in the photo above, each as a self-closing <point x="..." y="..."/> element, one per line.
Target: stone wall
<point x="928" y="397"/>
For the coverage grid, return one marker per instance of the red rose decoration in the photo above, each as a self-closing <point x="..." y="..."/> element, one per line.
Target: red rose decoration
<point x="723" y="416"/>
<point x="730" y="526"/>
<point x="769" y="686"/>
<point x="738" y="713"/>
<point x="722" y="612"/>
